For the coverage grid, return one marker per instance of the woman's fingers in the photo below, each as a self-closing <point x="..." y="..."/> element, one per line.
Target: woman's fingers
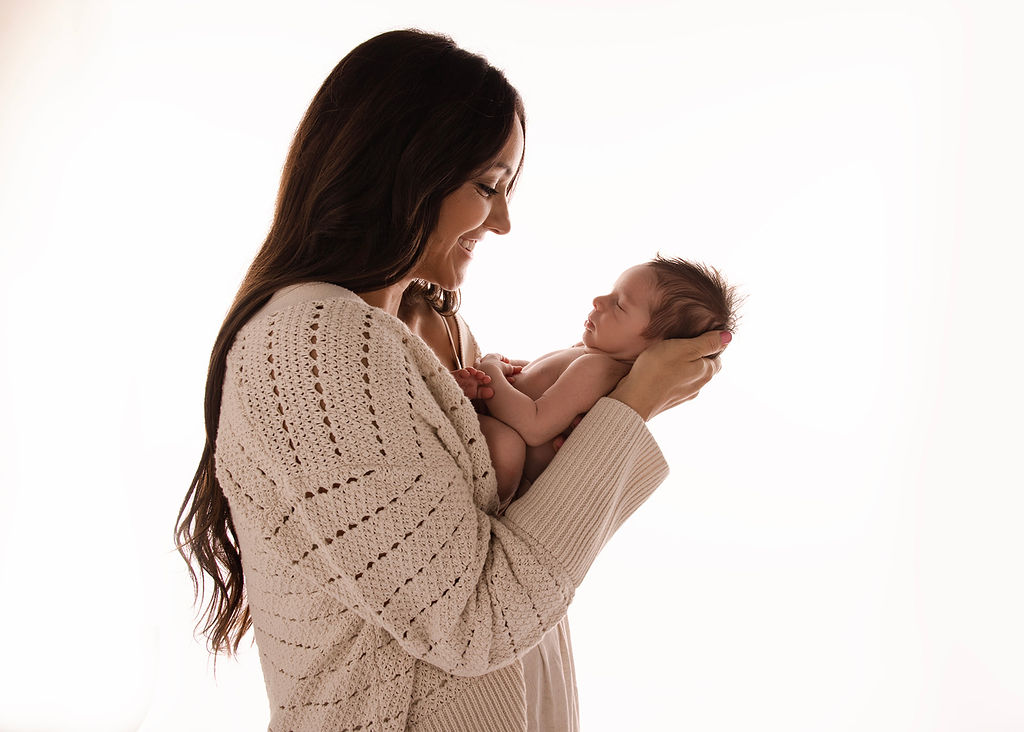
<point x="706" y="345"/>
<point x="722" y="337"/>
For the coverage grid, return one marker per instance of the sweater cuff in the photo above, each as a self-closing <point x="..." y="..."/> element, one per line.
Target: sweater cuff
<point x="608" y="467"/>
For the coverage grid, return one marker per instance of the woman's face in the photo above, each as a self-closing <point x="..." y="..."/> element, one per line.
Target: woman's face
<point x="478" y="206"/>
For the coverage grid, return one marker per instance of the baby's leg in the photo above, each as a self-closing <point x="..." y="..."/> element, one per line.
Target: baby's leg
<point x="537" y="458"/>
<point x="508" y="451"/>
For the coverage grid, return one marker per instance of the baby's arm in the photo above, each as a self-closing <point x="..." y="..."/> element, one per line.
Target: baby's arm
<point x="586" y="380"/>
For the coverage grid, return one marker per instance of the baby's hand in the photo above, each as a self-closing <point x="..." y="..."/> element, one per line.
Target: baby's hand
<point x="507" y="368"/>
<point x="472" y="382"/>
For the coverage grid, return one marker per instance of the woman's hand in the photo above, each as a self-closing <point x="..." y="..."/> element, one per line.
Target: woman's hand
<point x="671" y="372"/>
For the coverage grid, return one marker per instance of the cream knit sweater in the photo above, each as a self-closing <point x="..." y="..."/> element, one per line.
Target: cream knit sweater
<point x="384" y="591"/>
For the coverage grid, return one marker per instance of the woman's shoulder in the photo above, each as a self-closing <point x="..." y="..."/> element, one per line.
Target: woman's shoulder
<point x="309" y="305"/>
<point x="306" y="294"/>
<point x="323" y="345"/>
<point x="320" y="325"/>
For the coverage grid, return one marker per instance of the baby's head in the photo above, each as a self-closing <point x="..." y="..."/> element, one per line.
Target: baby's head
<point x="690" y="299"/>
<point x="663" y="298"/>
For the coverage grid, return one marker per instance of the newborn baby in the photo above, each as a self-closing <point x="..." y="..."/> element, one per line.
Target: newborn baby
<point x="663" y="298"/>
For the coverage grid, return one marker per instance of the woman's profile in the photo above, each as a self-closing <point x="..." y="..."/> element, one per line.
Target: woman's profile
<point x="345" y="507"/>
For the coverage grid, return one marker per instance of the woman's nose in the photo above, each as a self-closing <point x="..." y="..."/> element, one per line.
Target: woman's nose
<point x="599" y="302"/>
<point x="498" y="220"/>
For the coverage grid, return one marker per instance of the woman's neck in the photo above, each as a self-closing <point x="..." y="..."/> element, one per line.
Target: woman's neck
<point x="387" y="299"/>
<point x="431" y="327"/>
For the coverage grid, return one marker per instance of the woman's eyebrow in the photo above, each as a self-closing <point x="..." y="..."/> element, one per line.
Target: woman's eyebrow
<point x="507" y="169"/>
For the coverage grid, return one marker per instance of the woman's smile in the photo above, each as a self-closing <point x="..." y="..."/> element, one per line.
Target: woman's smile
<point x="467" y="245"/>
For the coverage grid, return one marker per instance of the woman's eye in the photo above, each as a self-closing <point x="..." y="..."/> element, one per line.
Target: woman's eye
<point x="486" y="191"/>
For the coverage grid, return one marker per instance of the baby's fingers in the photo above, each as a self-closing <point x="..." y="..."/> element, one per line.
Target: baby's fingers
<point x="480" y="376"/>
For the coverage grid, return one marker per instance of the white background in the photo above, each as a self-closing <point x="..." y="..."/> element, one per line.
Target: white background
<point x="839" y="545"/>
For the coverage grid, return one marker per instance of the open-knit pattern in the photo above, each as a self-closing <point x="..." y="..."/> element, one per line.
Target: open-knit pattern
<point x="385" y="593"/>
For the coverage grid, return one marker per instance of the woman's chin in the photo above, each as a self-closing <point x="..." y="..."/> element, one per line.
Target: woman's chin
<point x="446" y="283"/>
<point x="453" y="280"/>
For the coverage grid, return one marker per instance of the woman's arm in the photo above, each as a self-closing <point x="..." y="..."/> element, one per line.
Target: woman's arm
<point x="669" y="373"/>
<point x="377" y="481"/>
<point x="379" y="488"/>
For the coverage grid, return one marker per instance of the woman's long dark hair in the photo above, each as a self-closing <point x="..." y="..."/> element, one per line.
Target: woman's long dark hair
<point x="401" y="122"/>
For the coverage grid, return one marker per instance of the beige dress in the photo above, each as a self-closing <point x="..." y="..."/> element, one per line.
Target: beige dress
<point x="551" y="701"/>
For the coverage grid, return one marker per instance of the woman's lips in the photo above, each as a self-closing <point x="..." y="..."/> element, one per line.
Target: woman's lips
<point x="589" y="325"/>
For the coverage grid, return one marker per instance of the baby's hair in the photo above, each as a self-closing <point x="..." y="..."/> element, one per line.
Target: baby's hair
<point x="691" y="299"/>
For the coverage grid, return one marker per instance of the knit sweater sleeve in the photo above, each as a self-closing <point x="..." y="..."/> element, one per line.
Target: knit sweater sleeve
<point x="379" y="500"/>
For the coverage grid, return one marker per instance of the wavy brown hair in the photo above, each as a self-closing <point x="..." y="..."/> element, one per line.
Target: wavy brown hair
<point x="401" y="122"/>
<point x="691" y="298"/>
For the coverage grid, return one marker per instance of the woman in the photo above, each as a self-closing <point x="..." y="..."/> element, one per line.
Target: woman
<point x="345" y="506"/>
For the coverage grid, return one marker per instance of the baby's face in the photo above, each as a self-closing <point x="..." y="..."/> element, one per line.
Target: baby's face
<point x="618" y="318"/>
